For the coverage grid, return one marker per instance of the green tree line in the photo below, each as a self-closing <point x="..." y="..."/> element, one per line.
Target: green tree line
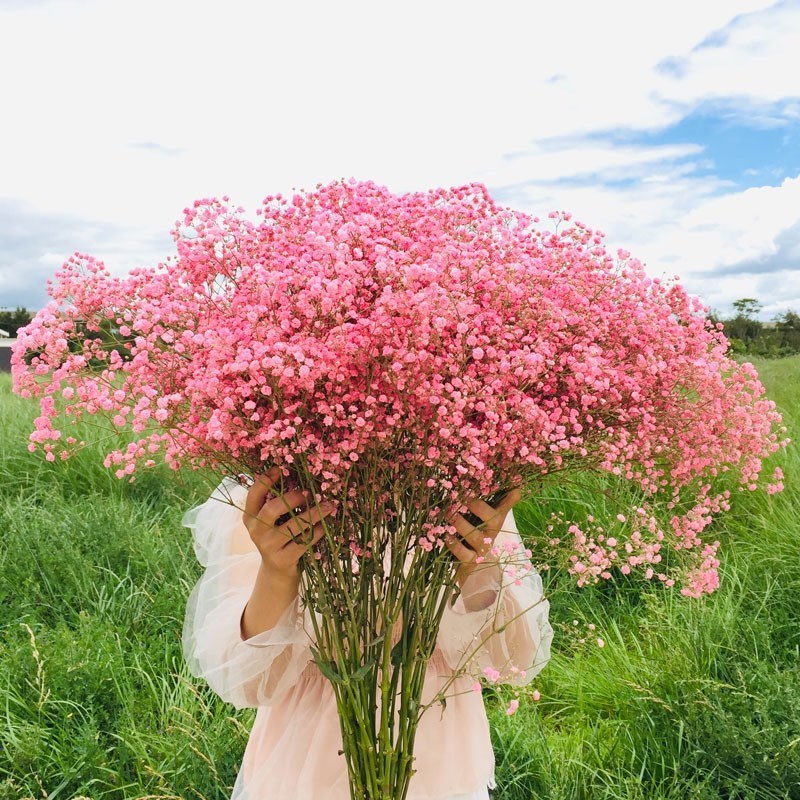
<point x="751" y="336"/>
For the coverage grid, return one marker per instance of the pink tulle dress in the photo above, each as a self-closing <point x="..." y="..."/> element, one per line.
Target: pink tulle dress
<point x="292" y="750"/>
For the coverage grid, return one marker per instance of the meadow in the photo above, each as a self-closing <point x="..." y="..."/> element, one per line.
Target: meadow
<point x="689" y="699"/>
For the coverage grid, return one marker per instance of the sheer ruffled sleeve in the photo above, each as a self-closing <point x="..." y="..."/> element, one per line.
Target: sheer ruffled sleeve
<point x="245" y="672"/>
<point x="510" y="631"/>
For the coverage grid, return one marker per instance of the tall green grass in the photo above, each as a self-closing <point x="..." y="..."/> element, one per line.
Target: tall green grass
<point x="688" y="698"/>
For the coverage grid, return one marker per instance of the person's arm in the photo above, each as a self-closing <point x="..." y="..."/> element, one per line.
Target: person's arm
<point x="271" y="596"/>
<point x="511" y="634"/>
<point x="280" y="546"/>
<point x="478" y="567"/>
<point x="252" y="670"/>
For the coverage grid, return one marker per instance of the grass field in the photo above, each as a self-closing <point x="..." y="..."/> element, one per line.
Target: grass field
<point x="689" y="699"/>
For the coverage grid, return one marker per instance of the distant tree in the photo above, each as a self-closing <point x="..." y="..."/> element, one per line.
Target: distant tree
<point x="747" y="307"/>
<point x="743" y="331"/>
<point x="12" y="321"/>
<point x="748" y="335"/>
<point x="787" y="329"/>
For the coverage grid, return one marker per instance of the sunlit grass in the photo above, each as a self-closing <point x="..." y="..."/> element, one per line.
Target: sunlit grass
<point x="694" y="699"/>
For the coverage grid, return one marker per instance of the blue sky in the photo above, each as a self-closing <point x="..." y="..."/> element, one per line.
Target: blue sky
<point x="747" y="151"/>
<point x="673" y="127"/>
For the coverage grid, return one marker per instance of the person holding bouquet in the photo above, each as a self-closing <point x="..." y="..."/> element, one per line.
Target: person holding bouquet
<point x="396" y="355"/>
<point x="247" y="635"/>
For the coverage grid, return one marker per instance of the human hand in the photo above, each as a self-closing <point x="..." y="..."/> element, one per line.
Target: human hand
<point x="282" y="545"/>
<point x="470" y="541"/>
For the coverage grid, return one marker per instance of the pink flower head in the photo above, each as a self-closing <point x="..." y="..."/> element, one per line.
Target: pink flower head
<point x="450" y="340"/>
<point x="492" y="675"/>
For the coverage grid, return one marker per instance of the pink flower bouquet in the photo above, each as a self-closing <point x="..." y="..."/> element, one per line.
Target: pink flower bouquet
<point x="399" y="354"/>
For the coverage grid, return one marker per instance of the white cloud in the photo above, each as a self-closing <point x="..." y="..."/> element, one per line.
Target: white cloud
<point x="747" y="224"/>
<point x="268" y="95"/>
<point x="122" y="113"/>
<point x="563" y="160"/>
<point x="738" y="244"/>
<point x="755" y="57"/>
<point x="35" y="243"/>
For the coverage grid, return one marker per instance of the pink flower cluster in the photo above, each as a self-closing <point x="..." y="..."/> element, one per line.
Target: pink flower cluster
<point x="628" y="543"/>
<point x="356" y="332"/>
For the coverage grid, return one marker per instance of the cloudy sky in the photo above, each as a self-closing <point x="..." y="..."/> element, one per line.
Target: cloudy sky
<point x="672" y="126"/>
